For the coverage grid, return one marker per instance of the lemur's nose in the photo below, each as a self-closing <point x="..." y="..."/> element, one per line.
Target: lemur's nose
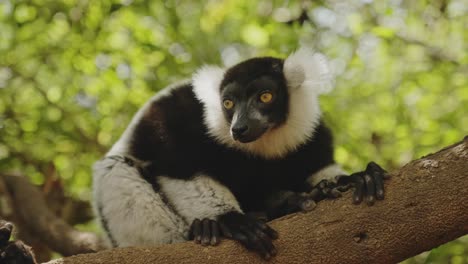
<point x="239" y="131"/>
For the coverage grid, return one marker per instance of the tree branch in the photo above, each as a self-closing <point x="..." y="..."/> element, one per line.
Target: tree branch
<point x="31" y="211"/>
<point x="425" y="206"/>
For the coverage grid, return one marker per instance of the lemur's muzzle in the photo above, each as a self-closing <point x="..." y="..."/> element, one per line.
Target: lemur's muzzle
<point x="247" y="129"/>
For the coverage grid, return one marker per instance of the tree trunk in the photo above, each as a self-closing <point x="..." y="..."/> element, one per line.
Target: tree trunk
<point x="426" y="205"/>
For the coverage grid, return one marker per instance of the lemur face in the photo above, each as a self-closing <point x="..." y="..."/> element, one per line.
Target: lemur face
<point x="254" y="98"/>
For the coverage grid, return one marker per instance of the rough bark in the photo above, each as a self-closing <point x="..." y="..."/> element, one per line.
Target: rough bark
<point x="31" y="212"/>
<point x="426" y="205"/>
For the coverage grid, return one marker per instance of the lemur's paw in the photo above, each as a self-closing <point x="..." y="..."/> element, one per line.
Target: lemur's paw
<point x="205" y="232"/>
<point x="368" y="184"/>
<point x="13" y="251"/>
<point x="253" y="233"/>
<point x="297" y="202"/>
<point x="326" y="189"/>
<point x="301" y="202"/>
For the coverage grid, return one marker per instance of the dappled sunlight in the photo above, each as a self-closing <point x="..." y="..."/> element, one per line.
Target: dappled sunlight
<point x="73" y="73"/>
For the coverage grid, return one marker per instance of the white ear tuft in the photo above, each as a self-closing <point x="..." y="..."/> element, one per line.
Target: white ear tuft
<point x="206" y="83"/>
<point x="310" y="70"/>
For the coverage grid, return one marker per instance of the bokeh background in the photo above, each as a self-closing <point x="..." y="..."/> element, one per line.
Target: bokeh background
<point x="73" y="72"/>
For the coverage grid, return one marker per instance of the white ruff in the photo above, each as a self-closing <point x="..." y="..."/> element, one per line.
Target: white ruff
<point x="307" y="75"/>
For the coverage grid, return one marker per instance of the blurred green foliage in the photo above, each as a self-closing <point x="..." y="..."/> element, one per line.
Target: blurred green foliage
<point x="73" y="72"/>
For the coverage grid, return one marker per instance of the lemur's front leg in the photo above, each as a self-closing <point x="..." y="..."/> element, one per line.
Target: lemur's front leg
<point x="214" y="211"/>
<point x="368" y="184"/>
<point x="131" y="210"/>
<point x="248" y="229"/>
<point x="327" y="183"/>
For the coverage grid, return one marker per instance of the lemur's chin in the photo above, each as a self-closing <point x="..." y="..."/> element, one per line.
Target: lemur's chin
<point x="245" y="140"/>
<point x="249" y="138"/>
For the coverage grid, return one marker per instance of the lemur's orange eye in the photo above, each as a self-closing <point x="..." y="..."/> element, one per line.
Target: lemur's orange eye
<point x="228" y="104"/>
<point x="266" y="97"/>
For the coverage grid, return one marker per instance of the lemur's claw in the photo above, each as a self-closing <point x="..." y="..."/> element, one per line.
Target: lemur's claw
<point x="295" y="202"/>
<point x="308" y="205"/>
<point x="326" y="189"/>
<point x="205" y="232"/>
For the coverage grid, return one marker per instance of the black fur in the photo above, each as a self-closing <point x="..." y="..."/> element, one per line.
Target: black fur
<point x="174" y="140"/>
<point x="249" y="70"/>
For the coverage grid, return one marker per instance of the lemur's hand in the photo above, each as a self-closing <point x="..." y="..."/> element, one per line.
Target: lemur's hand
<point x="13" y="251"/>
<point x="368" y="183"/>
<point x="251" y="232"/>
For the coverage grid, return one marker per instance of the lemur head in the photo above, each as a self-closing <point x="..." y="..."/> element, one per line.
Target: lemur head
<point x="254" y="98"/>
<point x="265" y="106"/>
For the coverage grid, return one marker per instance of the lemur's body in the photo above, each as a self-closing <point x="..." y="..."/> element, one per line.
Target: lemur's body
<point x="183" y="148"/>
<point x="178" y="160"/>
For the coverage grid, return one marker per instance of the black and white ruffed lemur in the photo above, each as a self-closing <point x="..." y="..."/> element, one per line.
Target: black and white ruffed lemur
<point x="201" y="159"/>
